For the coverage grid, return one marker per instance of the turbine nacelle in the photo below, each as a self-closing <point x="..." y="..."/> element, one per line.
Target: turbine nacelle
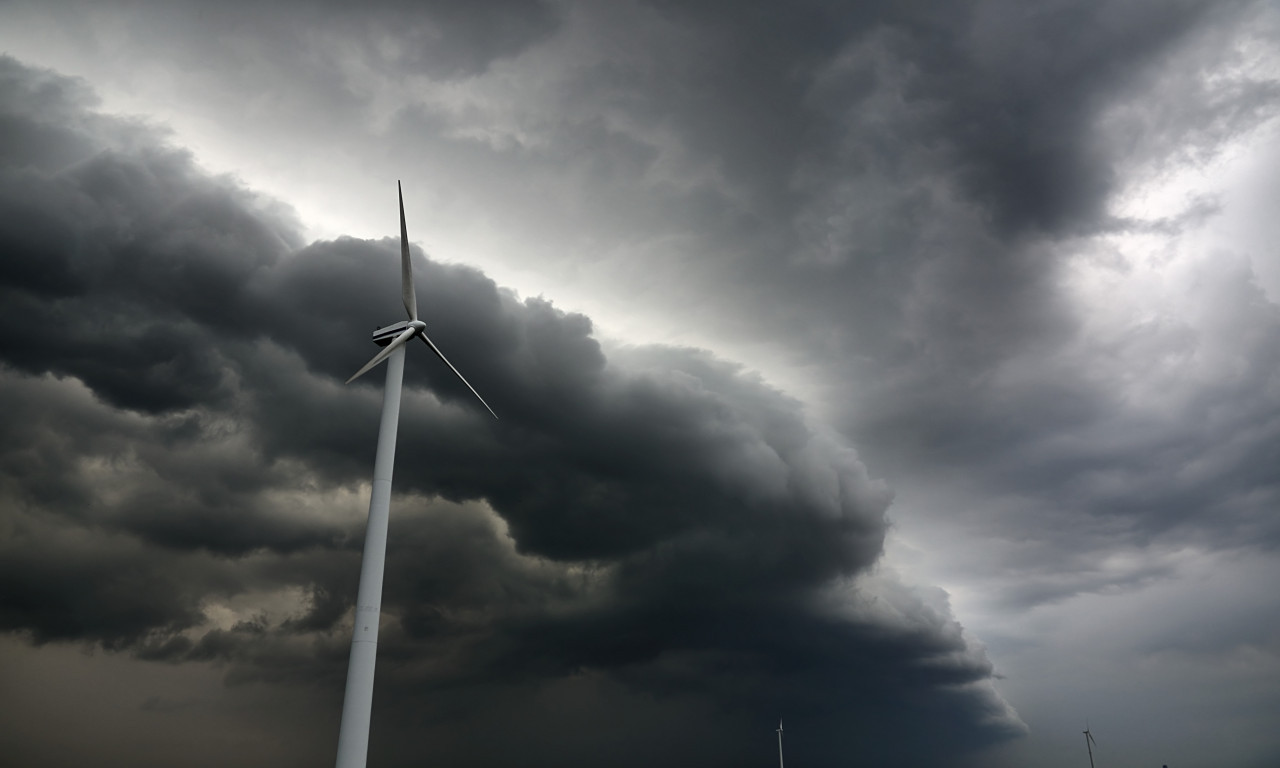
<point x="388" y="333"/>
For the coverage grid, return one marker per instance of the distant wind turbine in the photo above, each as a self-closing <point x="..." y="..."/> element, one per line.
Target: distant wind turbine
<point x="1089" y="743"/>
<point x="779" y="742"/>
<point x="353" y="734"/>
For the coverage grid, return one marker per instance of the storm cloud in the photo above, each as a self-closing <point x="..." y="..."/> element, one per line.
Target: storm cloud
<point x="182" y="469"/>
<point x="790" y="311"/>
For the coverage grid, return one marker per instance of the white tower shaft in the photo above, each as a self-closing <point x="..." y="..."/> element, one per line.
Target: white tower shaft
<point x="357" y="704"/>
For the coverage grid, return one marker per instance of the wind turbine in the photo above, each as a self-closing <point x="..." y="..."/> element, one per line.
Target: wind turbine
<point x="779" y="742"/>
<point x="1089" y="743"/>
<point x="357" y="703"/>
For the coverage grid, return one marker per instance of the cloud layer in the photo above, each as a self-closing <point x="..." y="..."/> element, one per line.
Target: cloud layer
<point x="183" y="475"/>
<point x="1021" y="255"/>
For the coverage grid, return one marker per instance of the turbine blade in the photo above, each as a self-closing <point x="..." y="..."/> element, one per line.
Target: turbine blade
<point x="406" y="265"/>
<point x="386" y="351"/>
<point x="440" y="354"/>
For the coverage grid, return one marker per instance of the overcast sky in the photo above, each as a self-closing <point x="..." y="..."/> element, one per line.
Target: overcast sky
<point x="910" y="370"/>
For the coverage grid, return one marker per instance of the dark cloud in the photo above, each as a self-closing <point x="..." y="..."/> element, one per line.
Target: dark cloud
<point x="946" y="224"/>
<point x="944" y="234"/>
<point x="874" y="184"/>
<point x="443" y="38"/>
<point x="182" y="467"/>
<point x="1003" y="95"/>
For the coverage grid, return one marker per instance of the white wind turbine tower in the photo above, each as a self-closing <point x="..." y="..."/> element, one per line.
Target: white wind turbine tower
<point x="353" y="735"/>
<point x="779" y="742"/>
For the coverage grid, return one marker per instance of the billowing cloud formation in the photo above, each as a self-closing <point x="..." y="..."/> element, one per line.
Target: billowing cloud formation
<point x="182" y="476"/>
<point x="1021" y="254"/>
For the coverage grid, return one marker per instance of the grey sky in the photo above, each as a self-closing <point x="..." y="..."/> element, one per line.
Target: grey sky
<point x="909" y="368"/>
